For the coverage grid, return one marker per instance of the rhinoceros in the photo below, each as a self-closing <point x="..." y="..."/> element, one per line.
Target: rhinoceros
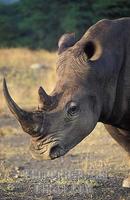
<point x="93" y="86"/>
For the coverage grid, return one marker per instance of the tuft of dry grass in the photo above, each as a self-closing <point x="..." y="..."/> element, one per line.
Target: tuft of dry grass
<point x="23" y="80"/>
<point x="22" y="57"/>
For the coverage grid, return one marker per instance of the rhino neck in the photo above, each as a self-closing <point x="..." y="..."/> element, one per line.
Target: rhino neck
<point x="120" y="115"/>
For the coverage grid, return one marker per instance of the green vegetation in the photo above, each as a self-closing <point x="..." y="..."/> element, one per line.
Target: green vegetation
<point x="39" y="24"/>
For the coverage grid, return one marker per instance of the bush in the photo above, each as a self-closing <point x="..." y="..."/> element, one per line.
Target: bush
<point x="39" y="24"/>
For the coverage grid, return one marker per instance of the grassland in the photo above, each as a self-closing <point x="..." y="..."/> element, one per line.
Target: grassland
<point x="19" y="66"/>
<point x="93" y="170"/>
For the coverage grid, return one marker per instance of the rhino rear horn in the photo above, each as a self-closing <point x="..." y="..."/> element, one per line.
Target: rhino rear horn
<point x="67" y="40"/>
<point x="44" y="98"/>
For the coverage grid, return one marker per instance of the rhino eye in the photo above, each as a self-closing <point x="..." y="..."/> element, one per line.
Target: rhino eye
<point x="72" y="108"/>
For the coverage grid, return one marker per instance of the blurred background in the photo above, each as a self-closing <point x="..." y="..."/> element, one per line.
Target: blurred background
<point x="29" y="33"/>
<point x="39" y="23"/>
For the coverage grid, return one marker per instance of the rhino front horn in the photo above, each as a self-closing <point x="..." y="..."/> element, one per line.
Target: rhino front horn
<point x="25" y="118"/>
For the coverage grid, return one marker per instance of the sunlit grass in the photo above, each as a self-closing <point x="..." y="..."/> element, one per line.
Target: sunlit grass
<point x="22" y="79"/>
<point x="21" y="57"/>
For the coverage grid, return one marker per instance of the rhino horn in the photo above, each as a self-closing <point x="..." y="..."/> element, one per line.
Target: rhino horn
<point x="25" y="118"/>
<point x="44" y="98"/>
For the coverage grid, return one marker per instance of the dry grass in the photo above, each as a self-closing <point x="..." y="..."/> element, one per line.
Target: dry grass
<point x="19" y="57"/>
<point x="23" y="81"/>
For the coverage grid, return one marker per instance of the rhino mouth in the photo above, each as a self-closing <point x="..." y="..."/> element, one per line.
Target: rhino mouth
<point x="48" y="150"/>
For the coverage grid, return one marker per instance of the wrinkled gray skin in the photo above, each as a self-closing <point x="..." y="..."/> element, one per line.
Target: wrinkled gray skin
<point x="93" y="85"/>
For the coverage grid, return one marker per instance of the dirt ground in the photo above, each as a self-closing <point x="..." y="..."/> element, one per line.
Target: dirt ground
<point x="94" y="169"/>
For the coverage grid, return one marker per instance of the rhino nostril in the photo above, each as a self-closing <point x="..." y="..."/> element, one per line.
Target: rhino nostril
<point x="56" y="151"/>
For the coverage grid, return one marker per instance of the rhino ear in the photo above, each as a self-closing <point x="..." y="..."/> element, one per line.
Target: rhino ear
<point x="67" y="40"/>
<point x="93" y="50"/>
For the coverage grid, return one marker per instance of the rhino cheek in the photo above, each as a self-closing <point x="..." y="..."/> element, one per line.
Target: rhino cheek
<point x="77" y="133"/>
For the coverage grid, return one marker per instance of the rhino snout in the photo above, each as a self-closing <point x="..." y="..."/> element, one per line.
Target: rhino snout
<point x="56" y="151"/>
